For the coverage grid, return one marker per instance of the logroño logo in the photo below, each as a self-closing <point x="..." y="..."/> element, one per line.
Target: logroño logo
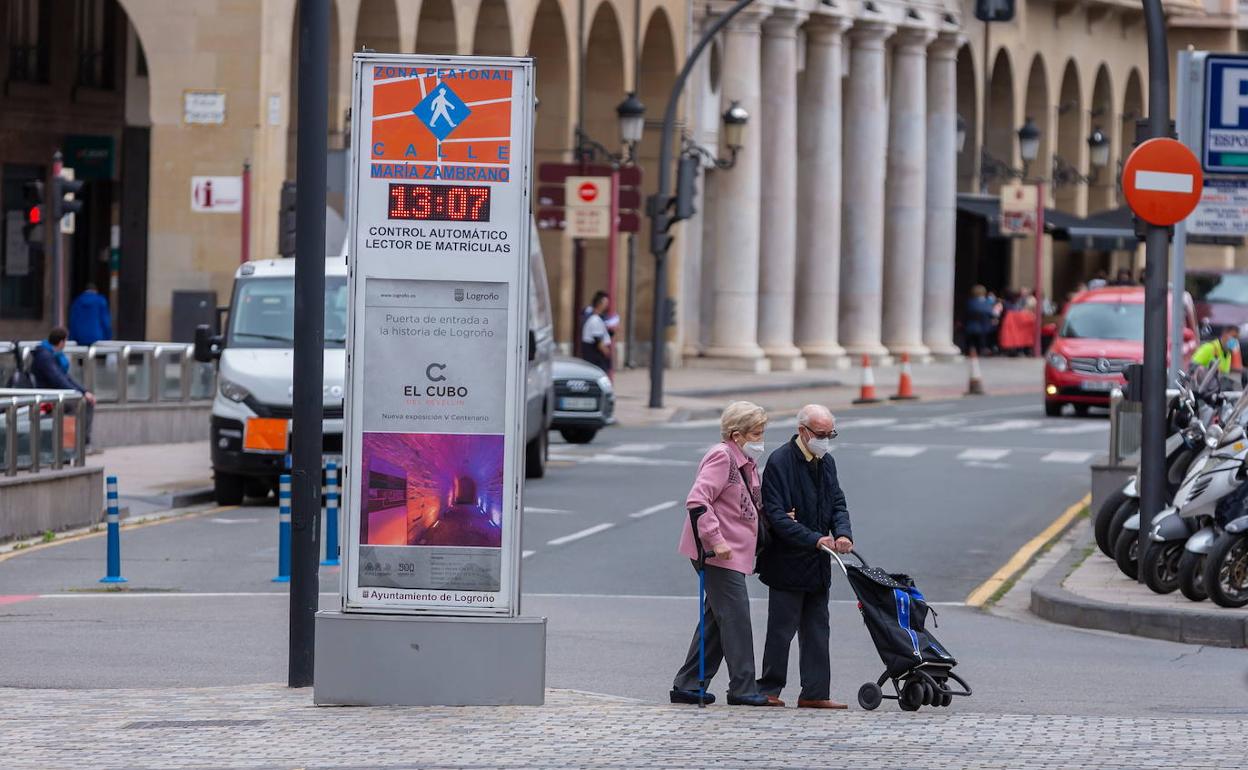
<point x="435" y="372"/>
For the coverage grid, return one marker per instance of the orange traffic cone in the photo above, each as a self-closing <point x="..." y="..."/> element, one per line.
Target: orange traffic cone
<point x="905" y="388"/>
<point x="867" y="394"/>
<point x="975" y="387"/>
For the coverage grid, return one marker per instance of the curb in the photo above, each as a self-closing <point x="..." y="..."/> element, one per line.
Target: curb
<point x="191" y="497"/>
<point x="1052" y="602"/>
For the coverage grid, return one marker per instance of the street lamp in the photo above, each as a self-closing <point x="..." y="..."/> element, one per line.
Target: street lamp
<point x="961" y="135"/>
<point x="735" y="118"/>
<point x="632" y="115"/>
<point x="1029" y="141"/>
<point x="1098" y="148"/>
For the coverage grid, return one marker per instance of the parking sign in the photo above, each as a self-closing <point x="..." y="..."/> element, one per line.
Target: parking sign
<point x="1225" y="135"/>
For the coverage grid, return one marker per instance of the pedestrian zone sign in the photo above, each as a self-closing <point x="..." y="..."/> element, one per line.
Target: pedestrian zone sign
<point x="1225" y="135"/>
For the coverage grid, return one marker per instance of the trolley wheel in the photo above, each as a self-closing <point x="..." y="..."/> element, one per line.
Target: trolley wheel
<point x="870" y="696"/>
<point x="929" y="694"/>
<point x="911" y="696"/>
<point x="945" y="699"/>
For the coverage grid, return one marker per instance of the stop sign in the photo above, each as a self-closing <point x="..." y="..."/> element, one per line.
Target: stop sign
<point x="588" y="191"/>
<point x="1162" y="181"/>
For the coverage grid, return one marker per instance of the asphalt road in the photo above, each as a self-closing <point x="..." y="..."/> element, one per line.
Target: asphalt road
<point x="944" y="491"/>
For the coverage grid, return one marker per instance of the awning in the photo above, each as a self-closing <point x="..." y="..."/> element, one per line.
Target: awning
<point x="988" y="208"/>
<point x="1110" y="230"/>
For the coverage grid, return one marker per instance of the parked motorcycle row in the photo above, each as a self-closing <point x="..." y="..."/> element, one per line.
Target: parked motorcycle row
<point x="1198" y="543"/>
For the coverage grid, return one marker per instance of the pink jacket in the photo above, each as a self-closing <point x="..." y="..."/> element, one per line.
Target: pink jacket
<point x="731" y="516"/>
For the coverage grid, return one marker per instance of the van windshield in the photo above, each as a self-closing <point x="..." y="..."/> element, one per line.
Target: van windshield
<point x="263" y="315"/>
<point x="1104" y="321"/>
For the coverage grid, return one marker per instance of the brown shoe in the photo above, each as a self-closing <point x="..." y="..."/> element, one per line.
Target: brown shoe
<point x="774" y="701"/>
<point x="819" y="704"/>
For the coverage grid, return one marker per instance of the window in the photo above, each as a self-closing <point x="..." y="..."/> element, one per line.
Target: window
<point x="94" y="38"/>
<point x="1105" y="321"/>
<point x="263" y="314"/>
<point x="21" y="263"/>
<point x="29" y="35"/>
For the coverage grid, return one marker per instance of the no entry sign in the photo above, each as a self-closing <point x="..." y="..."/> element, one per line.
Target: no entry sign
<point x="1162" y="181"/>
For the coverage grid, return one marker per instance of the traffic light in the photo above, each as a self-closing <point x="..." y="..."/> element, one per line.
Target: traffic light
<point x="994" y="10"/>
<point x="286" y="221"/>
<point x="32" y="228"/>
<point x="64" y="191"/>
<point x="686" y="187"/>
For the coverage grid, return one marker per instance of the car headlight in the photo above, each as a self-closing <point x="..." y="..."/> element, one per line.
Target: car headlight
<point x="232" y="390"/>
<point x="604" y="382"/>
<point x="1057" y="361"/>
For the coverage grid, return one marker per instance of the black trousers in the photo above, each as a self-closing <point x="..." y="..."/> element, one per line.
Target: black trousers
<point x="728" y="635"/>
<point x="805" y="614"/>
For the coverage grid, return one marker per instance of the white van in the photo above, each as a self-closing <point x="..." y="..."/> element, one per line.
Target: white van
<point x="253" y="405"/>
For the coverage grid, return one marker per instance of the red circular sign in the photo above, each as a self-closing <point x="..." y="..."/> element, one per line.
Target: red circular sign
<point x="588" y="191"/>
<point x="1162" y="181"/>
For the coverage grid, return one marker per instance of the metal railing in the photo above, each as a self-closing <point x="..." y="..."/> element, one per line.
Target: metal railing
<point x="23" y="443"/>
<point x="1126" y="419"/>
<point x="120" y="372"/>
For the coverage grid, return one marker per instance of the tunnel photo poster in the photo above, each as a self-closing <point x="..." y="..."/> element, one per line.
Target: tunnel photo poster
<point x="438" y="247"/>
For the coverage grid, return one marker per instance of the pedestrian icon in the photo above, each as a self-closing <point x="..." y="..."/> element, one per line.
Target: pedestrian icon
<point x="442" y="111"/>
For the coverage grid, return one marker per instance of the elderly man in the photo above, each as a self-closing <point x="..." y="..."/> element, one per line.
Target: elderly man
<point x="806" y="510"/>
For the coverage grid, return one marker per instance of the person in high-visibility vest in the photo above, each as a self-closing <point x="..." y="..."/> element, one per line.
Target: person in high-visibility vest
<point x="1222" y="349"/>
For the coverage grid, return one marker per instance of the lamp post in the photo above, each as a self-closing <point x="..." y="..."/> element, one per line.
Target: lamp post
<point x="1028" y="150"/>
<point x="961" y="135"/>
<point x="632" y="115"/>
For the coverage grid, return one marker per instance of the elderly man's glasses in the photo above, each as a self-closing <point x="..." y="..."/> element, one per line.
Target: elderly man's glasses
<point x="828" y="435"/>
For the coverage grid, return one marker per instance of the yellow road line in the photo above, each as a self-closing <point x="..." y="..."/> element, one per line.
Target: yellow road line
<point x="83" y="535"/>
<point x="1019" y="561"/>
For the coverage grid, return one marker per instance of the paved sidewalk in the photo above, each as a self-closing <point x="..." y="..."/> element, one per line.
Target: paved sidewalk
<point x="270" y="726"/>
<point x="702" y="393"/>
<point x="1087" y="589"/>
<point x="154" y="477"/>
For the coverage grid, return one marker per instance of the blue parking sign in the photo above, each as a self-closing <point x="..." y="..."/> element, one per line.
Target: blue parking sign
<point x="1225" y="145"/>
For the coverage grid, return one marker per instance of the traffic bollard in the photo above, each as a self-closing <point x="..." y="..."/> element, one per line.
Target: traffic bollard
<point x="283" y="530"/>
<point x="331" y="515"/>
<point x="114" y="534"/>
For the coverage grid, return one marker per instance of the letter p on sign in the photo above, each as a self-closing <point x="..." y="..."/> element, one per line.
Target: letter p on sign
<point x="1162" y="181"/>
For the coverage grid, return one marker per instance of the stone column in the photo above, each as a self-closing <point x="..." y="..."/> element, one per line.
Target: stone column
<point x="942" y="195"/>
<point x="777" y="122"/>
<point x="905" y="196"/>
<point x="862" y="233"/>
<point x="819" y="195"/>
<point x="734" y="318"/>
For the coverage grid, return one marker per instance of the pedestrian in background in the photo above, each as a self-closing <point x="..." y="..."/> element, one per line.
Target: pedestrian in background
<point x="89" y="319"/>
<point x="728" y="488"/>
<point x="805" y="508"/>
<point x="49" y="367"/>
<point x="595" y="337"/>
<point x="980" y="320"/>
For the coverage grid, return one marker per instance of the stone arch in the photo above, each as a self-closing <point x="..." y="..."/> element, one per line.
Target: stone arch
<point x="1036" y="107"/>
<point x="1000" y="120"/>
<point x="377" y="27"/>
<point x="657" y="70"/>
<point x="1071" y="140"/>
<point x="968" y="111"/>
<point x="549" y="44"/>
<point x="435" y="29"/>
<point x="1103" y="184"/>
<point x="492" y="34"/>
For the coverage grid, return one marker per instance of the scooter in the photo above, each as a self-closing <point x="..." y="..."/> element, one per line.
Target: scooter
<point x="1226" y="565"/>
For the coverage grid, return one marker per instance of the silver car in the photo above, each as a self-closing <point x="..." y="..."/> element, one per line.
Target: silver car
<point x="584" y="400"/>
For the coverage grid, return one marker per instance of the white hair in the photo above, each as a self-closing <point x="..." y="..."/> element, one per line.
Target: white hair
<point x="741" y="417"/>
<point x="813" y="411"/>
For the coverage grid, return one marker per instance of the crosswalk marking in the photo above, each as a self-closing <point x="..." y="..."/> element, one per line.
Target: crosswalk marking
<point x="899" y="451"/>
<point x="1003" y="425"/>
<point x="583" y="533"/>
<point x="527" y="554"/>
<point x="865" y="422"/>
<point x="983" y="455"/>
<point x="528" y="509"/>
<point x="644" y="512"/>
<point x="1061" y="456"/>
<point x="1070" y="430"/>
<point x="638" y="448"/>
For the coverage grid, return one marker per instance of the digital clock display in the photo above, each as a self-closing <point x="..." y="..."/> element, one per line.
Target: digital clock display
<point x="440" y="202"/>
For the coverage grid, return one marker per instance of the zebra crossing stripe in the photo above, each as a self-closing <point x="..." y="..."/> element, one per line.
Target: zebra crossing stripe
<point x="899" y="451"/>
<point x="1067" y="457"/>
<point x="983" y="455"/>
<point x="1070" y="430"/>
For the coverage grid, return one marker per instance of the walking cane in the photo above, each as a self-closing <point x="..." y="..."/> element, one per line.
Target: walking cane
<point x="694" y="513"/>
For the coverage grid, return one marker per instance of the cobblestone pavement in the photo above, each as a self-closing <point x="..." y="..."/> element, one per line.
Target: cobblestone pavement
<point x="270" y="726"/>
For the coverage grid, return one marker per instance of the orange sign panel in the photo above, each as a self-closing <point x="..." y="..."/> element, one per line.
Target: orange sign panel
<point x="1162" y="181"/>
<point x="265" y="434"/>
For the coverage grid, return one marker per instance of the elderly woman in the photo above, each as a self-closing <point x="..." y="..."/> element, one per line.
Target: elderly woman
<point x="727" y="487"/>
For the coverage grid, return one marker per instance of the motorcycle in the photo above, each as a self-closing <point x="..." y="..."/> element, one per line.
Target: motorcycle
<point x="1226" y="565"/>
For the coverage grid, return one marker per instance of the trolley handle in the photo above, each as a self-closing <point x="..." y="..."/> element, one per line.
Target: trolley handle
<point x="694" y="514"/>
<point x="837" y="556"/>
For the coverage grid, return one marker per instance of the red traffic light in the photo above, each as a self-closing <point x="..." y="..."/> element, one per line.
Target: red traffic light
<point x="34" y="215"/>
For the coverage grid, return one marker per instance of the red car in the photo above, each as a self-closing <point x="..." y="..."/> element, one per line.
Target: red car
<point x="1101" y="332"/>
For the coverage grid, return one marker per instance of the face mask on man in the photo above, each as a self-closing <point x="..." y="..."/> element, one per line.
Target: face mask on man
<point x="1232" y="343"/>
<point x="818" y="446"/>
<point x="754" y="449"/>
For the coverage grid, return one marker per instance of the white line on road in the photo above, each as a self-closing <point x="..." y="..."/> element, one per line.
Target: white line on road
<point x="899" y="451"/>
<point x="1067" y="457"/>
<point x="1070" y="430"/>
<point x="644" y="512"/>
<point x="983" y="455"/>
<point x="233" y="521"/>
<point x="638" y="448"/>
<point x="693" y="598"/>
<point x="1163" y="181"/>
<point x="865" y="422"/>
<point x="527" y="509"/>
<point x="527" y="554"/>
<point x="1003" y="425"/>
<point x="614" y="459"/>
<point x="583" y="533"/>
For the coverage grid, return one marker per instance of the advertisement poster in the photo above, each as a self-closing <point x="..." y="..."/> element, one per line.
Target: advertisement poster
<point x="438" y="251"/>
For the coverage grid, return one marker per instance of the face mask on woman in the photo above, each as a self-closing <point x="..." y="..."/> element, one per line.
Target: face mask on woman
<point x="754" y="449"/>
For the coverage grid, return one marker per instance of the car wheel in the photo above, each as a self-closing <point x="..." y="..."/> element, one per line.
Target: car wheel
<point x="1053" y="408"/>
<point x="256" y="488"/>
<point x="1081" y="410"/>
<point x="535" y="453"/>
<point x="227" y="488"/>
<point x="578" y="435"/>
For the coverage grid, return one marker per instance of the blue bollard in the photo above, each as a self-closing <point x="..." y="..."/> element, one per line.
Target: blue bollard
<point x="283" y="530"/>
<point x="331" y="515"/>
<point x="114" y="534"/>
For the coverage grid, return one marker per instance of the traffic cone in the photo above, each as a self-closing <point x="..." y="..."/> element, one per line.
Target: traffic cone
<point x="905" y="388"/>
<point x="867" y="394"/>
<point x="975" y="387"/>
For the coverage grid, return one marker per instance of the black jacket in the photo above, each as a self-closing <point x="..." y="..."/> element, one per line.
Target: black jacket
<point x="792" y="561"/>
<point x="47" y="371"/>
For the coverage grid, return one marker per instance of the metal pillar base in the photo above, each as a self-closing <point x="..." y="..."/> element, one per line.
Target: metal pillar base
<point x="406" y="660"/>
